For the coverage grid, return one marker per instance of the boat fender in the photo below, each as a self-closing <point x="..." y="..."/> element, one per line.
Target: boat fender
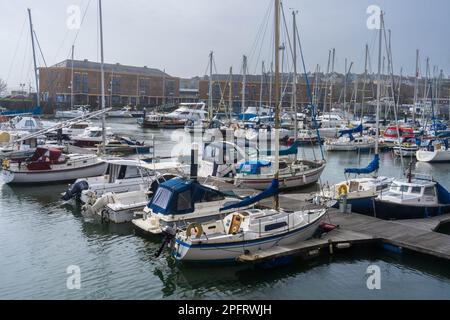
<point x="343" y="190"/>
<point x="197" y="228"/>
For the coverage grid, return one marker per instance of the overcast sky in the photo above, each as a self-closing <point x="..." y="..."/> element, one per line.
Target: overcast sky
<point x="177" y="35"/>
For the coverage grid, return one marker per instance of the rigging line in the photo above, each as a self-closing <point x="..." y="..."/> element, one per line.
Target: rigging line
<point x="39" y="47"/>
<point x="27" y="45"/>
<point x="16" y="50"/>
<point x="262" y="40"/>
<point x="255" y="43"/>
<point x="308" y="91"/>
<point x="82" y="21"/>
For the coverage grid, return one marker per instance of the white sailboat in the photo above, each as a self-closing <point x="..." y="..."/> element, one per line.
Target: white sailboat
<point x="244" y="230"/>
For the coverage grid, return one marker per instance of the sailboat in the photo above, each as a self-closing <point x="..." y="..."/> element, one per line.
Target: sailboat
<point x="245" y="230"/>
<point x="361" y="192"/>
<point x="290" y="171"/>
<point x="47" y="164"/>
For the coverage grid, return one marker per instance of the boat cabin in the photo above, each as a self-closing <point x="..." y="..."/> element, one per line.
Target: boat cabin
<point x="419" y="192"/>
<point x="178" y="196"/>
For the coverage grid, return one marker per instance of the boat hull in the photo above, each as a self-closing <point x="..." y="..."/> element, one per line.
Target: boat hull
<point x="394" y="211"/>
<point x="433" y="156"/>
<point x="286" y="181"/>
<point x="44" y="177"/>
<point x="216" y="252"/>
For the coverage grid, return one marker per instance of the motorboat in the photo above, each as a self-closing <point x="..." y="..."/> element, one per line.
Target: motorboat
<point x="122" y="175"/>
<point x="124" y="112"/>
<point x="92" y="137"/>
<point x="408" y="147"/>
<point x="49" y="165"/>
<point x="177" y="119"/>
<point x="76" y="112"/>
<point x="391" y="134"/>
<point x="413" y="198"/>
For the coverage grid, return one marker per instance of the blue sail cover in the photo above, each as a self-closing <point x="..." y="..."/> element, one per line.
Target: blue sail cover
<point x="179" y="196"/>
<point x="443" y="194"/>
<point x="372" y="167"/>
<point x="350" y="132"/>
<point x="269" y="192"/>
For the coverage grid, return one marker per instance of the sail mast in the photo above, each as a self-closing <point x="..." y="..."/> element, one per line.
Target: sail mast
<point x="277" y="96"/>
<point x="71" y="81"/>
<point x="38" y="95"/>
<point x="294" y="80"/>
<point x="416" y="88"/>
<point x="377" y="135"/>
<point x="210" y="98"/>
<point x="102" y="77"/>
<point x="244" y="82"/>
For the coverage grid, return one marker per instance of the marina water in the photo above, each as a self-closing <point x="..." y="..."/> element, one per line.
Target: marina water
<point x="40" y="237"/>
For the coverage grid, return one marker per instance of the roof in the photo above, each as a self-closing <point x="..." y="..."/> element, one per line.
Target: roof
<point x="108" y="67"/>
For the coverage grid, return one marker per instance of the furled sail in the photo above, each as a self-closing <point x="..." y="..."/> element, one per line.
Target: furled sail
<point x="372" y="167"/>
<point x="269" y="192"/>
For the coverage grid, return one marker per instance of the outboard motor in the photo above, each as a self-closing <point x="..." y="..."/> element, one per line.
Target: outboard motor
<point x="75" y="190"/>
<point x="169" y="233"/>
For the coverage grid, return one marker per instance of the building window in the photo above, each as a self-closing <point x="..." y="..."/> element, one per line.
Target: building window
<point x="144" y="87"/>
<point x="169" y="88"/>
<point x="81" y="84"/>
<point x="115" y="85"/>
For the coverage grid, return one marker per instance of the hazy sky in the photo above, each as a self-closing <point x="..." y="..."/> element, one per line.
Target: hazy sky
<point x="177" y="35"/>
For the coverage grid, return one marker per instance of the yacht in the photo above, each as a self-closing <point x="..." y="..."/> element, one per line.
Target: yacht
<point x="77" y="112"/>
<point x="122" y="175"/>
<point x="435" y="150"/>
<point x="49" y="165"/>
<point x="186" y="112"/>
<point x="244" y="231"/>
<point x="412" y="198"/>
<point x="124" y="112"/>
<point x="91" y="137"/>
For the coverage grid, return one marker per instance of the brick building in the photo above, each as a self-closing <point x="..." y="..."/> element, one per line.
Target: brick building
<point x="124" y="85"/>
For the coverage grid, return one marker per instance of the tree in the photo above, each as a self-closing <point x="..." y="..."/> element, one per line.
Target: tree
<point x="3" y="87"/>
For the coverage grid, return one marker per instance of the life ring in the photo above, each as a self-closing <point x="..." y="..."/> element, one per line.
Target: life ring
<point x="342" y="189"/>
<point x="198" y="230"/>
<point x="5" y="164"/>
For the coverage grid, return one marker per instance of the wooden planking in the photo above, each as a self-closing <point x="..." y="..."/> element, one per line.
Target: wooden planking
<point x="336" y="236"/>
<point x="416" y="235"/>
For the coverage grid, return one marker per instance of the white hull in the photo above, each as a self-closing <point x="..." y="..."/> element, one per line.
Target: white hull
<point x="229" y="251"/>
<point x="433" y="156"/>
<point x="53" y="176"/>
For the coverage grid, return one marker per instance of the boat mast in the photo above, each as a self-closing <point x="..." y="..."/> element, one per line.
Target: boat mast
<point x="327" y="78"/>
<point x="244" y="82"/>
<point x="363" y="96"/>
<point x="38" y="95"/>
<point x="210" y="97"/>
<point x="294" y="80"/>
<point x="332" y="79"/>
<point x="261" y="88"/>
<point x="102" y="76"/>
<point x="377" y="134"/>
<point x="416" y="88"/>
<point x="230" y="95"/>
<point x="277" y="97"/>
<point x="71" y="81"/>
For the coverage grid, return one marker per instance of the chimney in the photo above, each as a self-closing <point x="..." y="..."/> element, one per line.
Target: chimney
<point x="194" y="162"/>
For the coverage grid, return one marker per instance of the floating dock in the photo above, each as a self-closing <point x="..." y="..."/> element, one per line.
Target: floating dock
<point x="417" y="235"/>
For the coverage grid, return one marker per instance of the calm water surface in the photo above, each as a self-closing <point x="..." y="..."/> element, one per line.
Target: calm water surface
<point x="40" y="237"/>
